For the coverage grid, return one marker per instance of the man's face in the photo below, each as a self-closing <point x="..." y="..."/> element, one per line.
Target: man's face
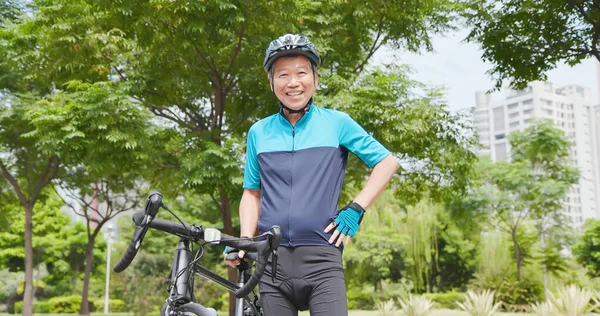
<point x="293" y="81"/>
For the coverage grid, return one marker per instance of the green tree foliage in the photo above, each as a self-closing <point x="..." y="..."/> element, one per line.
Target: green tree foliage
<point x="27" y="169"/>
<point x="524" y="39"/>
<point x="101" y="136"/>
<point x="587" y="249"/>
<point x="58" y="244"/>
<point x="531" y="187"/>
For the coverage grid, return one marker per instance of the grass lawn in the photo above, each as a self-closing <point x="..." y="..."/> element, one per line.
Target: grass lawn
<point x="436" y="312"/>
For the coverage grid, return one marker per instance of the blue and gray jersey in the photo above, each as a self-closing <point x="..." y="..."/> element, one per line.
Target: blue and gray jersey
<point x="300" y="170"/>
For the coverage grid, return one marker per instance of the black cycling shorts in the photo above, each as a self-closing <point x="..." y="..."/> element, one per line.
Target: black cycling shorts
<point x="308" y="277"/>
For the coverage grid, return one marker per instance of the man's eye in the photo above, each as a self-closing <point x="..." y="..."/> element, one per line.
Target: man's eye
<point x="302" y="73"/>
<point x="282" y="75"/>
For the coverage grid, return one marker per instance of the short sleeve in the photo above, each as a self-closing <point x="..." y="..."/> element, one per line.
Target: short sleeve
<point x="360" y="143"/>
<point x="251" y="170"/>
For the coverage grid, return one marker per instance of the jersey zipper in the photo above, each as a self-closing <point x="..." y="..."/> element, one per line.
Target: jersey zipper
<point x="291" y="185"/>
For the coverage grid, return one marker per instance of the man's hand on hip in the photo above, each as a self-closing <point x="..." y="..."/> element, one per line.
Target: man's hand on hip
<point x="346" y="223"/>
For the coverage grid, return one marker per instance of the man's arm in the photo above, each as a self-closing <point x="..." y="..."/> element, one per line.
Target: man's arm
<point x="249" y="212"/>
<point x="380" y="176"/>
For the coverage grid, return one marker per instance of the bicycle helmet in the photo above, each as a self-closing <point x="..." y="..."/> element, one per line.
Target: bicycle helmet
<point x="291" y="44"/>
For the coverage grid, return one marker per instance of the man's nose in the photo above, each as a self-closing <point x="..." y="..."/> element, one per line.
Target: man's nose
<point x="293" y="82"/>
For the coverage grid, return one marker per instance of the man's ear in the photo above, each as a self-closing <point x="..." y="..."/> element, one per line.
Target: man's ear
<point x="316" y="74"/>
<point x="271" y="85"/>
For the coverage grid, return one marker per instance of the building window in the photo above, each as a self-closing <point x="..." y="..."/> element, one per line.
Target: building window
<point x="499" y="136"/>
<point x="528" y="111"/>
<point x="513" y="115"/>
<point x="513" y="105"/>
<point x="527" y="102"/>
<point x="514" y="124"/>
<point x="527" y="121"/>
<point x="546" y="102"/>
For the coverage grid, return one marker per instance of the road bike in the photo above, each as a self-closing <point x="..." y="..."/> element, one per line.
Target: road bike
<point x="181" y="300"/>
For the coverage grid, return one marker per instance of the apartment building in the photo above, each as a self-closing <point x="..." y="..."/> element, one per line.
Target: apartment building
<point x="571" y="108"/>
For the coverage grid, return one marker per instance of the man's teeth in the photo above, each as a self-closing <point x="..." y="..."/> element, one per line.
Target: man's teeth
<point x="294" y="93"/>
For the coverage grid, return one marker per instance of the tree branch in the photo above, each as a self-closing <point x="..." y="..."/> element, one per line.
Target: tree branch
<point x="208" y="63"/>
<point x="158" y="164"/>
<point x="216" y="202"/>
<point x="47" y="176"/>
<point x="586" y="16"/>
<point x="6" y="175"/>
<point x="374" y="47"/>
<point x="236" y="51"/>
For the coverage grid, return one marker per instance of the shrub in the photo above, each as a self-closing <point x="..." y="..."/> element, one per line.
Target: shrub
<point x="65" y="304"/>
<point x="543" y="309"/>
<point x="114" y="305"/>
<point x="18" y="307"/>
<point x="41" y="307"/>
<point x="480" y="304"/>
<point x="359" y="299"/>
<point x="573" y="301"/>
<point x="386" y="308"/>
<point x="416" y="305"/>
<point x="446" y="300"/>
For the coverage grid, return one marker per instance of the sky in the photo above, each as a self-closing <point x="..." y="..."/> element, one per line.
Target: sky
<point x="458" y="68"/>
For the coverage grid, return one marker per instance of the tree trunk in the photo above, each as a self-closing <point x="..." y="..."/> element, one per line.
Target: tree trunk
<point x="84" y="309"/>
<point x="518" y="259"/>
<point x="28" y="289"/>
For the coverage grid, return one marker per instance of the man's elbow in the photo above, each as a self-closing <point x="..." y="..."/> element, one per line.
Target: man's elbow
<point x="391" y="163"/>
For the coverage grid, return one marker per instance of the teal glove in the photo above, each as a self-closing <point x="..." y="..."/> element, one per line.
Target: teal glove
<point x="349" y="218"/>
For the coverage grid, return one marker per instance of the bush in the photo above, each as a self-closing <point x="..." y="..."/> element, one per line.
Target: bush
<point x="114" y="305"/>
<point x="18" y="309"/>
<point x="359" y="299"/>
<point x="65" y="304"/>
<point x="41" y="307"/>
<point x="446" y="300"/>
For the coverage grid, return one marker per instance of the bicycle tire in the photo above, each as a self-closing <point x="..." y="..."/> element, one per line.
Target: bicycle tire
<point x="189" y="309"/>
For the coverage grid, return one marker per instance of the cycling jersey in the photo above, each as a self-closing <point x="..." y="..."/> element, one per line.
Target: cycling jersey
<point x="300" y="170"/>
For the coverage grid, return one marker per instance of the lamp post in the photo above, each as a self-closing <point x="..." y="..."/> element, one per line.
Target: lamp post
<point x="109" y="236"/>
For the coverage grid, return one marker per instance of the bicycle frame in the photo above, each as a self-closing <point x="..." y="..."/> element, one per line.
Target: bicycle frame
<point x="182" y="290"/>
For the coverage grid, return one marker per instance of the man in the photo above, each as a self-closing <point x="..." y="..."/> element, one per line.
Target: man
<point x="295" y="163"/>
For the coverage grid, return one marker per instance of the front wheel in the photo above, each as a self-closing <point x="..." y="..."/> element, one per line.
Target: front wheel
<point x="189" y="309"/>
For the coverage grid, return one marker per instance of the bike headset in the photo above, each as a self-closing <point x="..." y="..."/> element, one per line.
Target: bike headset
<point x="291" y="44"/>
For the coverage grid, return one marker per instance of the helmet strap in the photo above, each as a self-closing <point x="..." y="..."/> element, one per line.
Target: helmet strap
<point x="291" y="111"/>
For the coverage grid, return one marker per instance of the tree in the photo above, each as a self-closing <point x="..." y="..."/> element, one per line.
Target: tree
<point x="28" y="170"/>
<point x="531" y="187"/>
<point x="525" y="39"/>
<point x="587" y="249"/>
<point x="56" y="241"/>
<point x="101" y="136"/>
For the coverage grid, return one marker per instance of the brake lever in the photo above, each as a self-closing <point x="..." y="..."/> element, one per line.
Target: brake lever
<point x="274" y="254"/>
<point x="274" y="240"/>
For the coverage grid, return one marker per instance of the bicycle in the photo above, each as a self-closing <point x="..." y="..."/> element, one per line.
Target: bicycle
<point x="181" y="300"/>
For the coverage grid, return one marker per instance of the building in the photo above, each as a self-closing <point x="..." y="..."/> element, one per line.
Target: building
<point x="572" y="109"/>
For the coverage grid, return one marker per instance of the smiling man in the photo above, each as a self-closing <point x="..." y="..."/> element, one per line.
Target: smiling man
<point x="295" y="164"/>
